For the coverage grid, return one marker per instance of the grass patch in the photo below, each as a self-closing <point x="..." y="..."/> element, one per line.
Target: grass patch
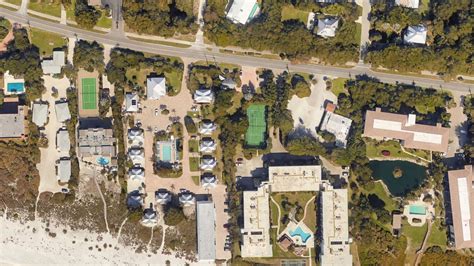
<point x="220" y="65"/>
<point x="70" y="11"/>
<point x="193" y="145"/>
<point x="358" y="33"/>
<point x="104" y="21"/>
<point x="52" y="9"/>
<point x="338" y="86"/>
<point x="438" y="235"/>
<point x="15" y="2"/>
<point x="277" y="251"/>
<point x="424" y="6"/>
<point x="287" y="201"/>
<point x="195" y="179"/>
<point x="174" y="81"/>
<point x="310" y="219"/>
<point x="178" y="45"/>
<point x="374" y="150"/>
<point x="415" y="237"/>
<point x="194" y="164"/>
<point x="46" y="41"/>
<point x="378" y="189"/>
<point x="289" y="12"/>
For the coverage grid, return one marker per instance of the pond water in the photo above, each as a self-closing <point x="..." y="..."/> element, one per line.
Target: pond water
<point x="411" y="175"/>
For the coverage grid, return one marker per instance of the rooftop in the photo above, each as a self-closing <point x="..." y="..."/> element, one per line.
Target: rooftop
<point x="204" y="96"/>
<point x="54" y="65"/>
<point x="383" y="125"/>
<point x="415" y="34"/>
<point x="96" y="141"/>
<point x="242" y="11"/>
<point x="327" y="27"/>
<point x="13" y="115"/>
<point x="62" y="111"/>
<point x="64" y="170"/>
<point x="335" y="249"/>
<point x="40" y="113"/>
<point x="63" y="142"/>
<point x="294" y="178"/>
<point x="256" y="230"/>
<point x="461" y="190"/>
<point x="206" y="230"/>
<point x="408" y="3"/>
<point x="337" y="125"/>
<point x="155" y="87"/>
<point x="131" y="102"/>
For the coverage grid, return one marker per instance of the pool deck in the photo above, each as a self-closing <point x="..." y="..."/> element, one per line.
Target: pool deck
<point x="292" y="226"/>
<point x="430" y="212"/>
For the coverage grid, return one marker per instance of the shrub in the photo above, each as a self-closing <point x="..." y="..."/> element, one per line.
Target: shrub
<point x="173" y="216"/>
<point x="190" y="125"/>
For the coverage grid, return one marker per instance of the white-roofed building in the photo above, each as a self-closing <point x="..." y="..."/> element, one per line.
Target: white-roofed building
<point x="243" y="11"/>
<point x="40" y="114"/>
<point x="136" y="174"/>
<point x="62" y="111"/>
<point x="64" y="170"/>
<point x="150" y="217"/>
<point x="63" y="143"/>
<point x="207" y="145"/>
<point x="136" y="155"/>
<point x="207" y="128"/>
<point x="294" y="178"/>
<point x="337" y="125"/>
<point x="204" y="96"/>
<point x="408" y="3"/>
<point x="461" y="194"/>
<point x="327" y="27"/>
<point x="131" y="102"/>
<point x="335" y="244"/>
<point x="187" y="199"/>
<point x="54" y="65"/>
<point x="208" y="164"/>
<point x="206" y="231"/>
<point x="135" y="137"/>
<point x="415" y="34"/>
<point x="256" y="231"/>
<point x="209" y="181"/>
<point x="162" y="197"/>
<point x="13" y="115"/>
<point x="155" y="87"/>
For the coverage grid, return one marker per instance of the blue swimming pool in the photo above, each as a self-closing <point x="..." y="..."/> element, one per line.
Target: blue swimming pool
<point x="166" y="153"/>
<point x="102" y="161"/>
<point x="16" y="87"/>
<point x="417" y="209"/>
<point x="299" y="232"/>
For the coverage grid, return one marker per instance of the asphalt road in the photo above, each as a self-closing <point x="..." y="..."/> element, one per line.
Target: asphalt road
<point x="201" y="53"/>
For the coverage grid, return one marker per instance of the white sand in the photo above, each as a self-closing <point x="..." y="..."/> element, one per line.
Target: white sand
<point x="20" y="245"/>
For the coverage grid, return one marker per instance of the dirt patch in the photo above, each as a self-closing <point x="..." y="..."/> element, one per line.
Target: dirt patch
<point x="138" y="236"/>
<point x="182" y="239"/>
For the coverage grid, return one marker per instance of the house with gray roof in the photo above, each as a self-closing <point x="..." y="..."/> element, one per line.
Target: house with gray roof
<point x="204" y="96"/>
<point x="150" y="217"/>
<point x="131" y="102"/>
<point x="229" y="83"/>
<point x="135" y="136"/>
<point x="208" y="163"/>
<point x="162" y="197"/>
<point x="136" y="173"/>
<point x="135" y="199"/>
<point x="187" y="199"/>
<point x="40" y="113"/>
<point x="62" y="111"/>
<point x="136" y="155"/>
<point x="207" y="145"/>
<point x="63" y="143"/>
<point x="13" y="115"/>
<point x="415" y="34"/>
<point x="207" y="127"/>
<point x="208" y="181"/>
<point x="155" y="87"/>
<point x="242" y="11"/>
<point x="327" y="27"/>
<point x="64" y="170"/>
<point x="54" y="65"/>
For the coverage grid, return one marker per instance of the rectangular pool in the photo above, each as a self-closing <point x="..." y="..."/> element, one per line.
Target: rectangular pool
<point x="417" y="209"/>
<point x="166" y="153"/>
<point x="16" y="87"/>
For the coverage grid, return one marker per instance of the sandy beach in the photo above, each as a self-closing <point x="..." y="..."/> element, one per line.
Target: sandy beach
<point x="39" y="244"/>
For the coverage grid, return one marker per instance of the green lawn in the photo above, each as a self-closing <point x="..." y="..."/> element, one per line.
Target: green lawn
<point x="415" y="234"/>
<point x="374" y="149"/>
<point x="46" y="7"/>
<point x="378" y="189"/>
<point x="46" y="41"/>
<point x="193" y="145"/>
<point x="195" y="179"/>
<point x="15" y="2"/>
<point x="104" y="21"/>
<point x="338" y="86"/>
<point x="70" y="15"/>
<point x="438" y="235"/>
<point x="194" y="164"/>
<point x="174" y="79"/>
<point x="138" y="76"/>
<point x="358" y="32"/>
<point x="310" y="219"/>
<point x="424" y="6"/>
<point x="289" y="12"/>
<point x="293" y="197"/>
<point x="277" y="251"/>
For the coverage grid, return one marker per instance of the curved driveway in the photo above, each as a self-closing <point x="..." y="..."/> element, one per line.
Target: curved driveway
<point x="201" y="53"/>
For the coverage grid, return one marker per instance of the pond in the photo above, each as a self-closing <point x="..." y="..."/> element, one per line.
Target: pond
<point x="400" y="176"/>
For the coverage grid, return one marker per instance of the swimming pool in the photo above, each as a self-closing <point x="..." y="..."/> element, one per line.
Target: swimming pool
<point x="16" y="87"/>
<point x="166" y="153"/>
<point x="302" y="234"/>
<point x="102" y="161"/>
<point x="417" y="209"/>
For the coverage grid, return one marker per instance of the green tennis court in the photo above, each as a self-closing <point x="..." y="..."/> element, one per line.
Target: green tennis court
<point x="89" y="94"/>
<point x="255" y="135"/>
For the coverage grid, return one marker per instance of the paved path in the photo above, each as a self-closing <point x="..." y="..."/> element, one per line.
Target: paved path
<point x="200" y="54"/>
<point x="103" y="200"/>
<point x="419" y="253"/>
<point x="63" y="19"/>
<point x="306" y="207"/>
<point x="23" y="7"/>
<point x="364" y="21"/>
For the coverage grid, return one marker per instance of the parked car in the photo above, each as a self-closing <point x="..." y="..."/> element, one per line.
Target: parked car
<point x="157" y="112"/>
<point x="65" y="190"/>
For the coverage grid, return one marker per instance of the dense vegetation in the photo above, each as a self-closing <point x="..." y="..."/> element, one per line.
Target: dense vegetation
<point x="435" y="256"/>
<point x="89" y="56"/>
<point x="288" y="38"/>
<point x="86" y="16"/>
<point x="5" y="26"/>
<point x="469" y="111"/>
<point x="160" y="17"/>
<point x="22" y="59"/>
<point x="450" y="40"/>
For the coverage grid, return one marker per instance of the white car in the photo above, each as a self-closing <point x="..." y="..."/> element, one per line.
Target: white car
<point x="156" y="111"/>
